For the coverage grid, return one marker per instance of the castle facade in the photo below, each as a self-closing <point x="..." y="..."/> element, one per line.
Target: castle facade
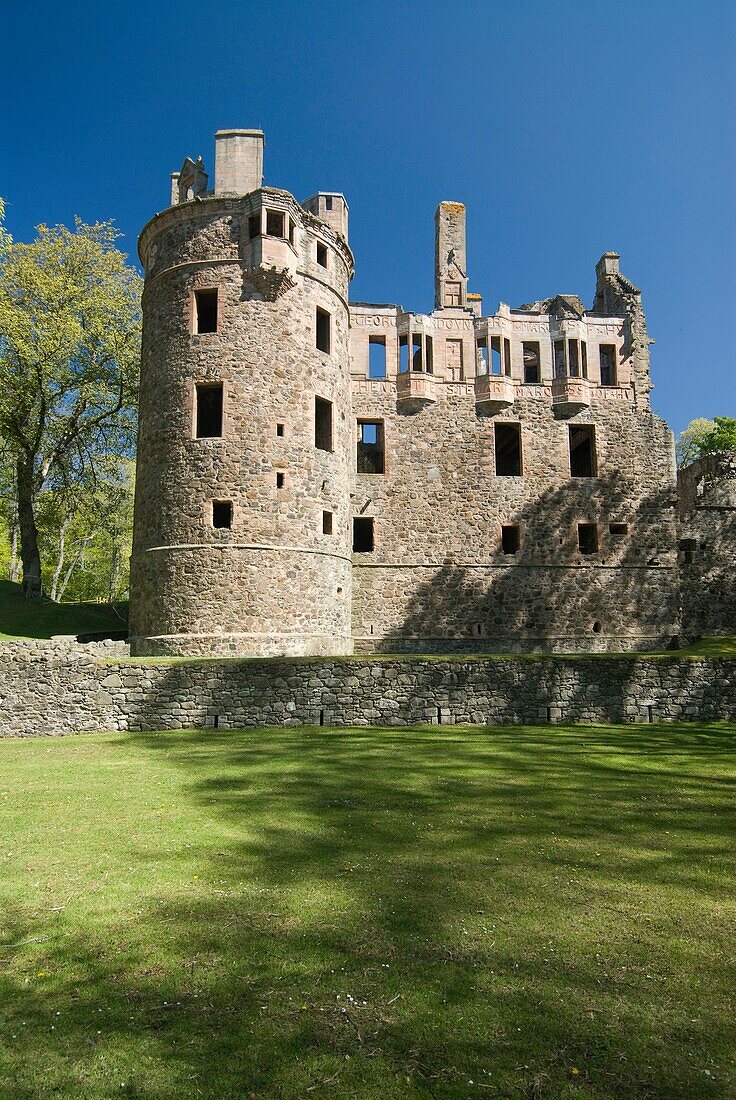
<point x="320" y="476"/>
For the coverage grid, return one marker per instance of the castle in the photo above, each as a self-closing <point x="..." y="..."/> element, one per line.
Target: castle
<point x="320" y="476"/>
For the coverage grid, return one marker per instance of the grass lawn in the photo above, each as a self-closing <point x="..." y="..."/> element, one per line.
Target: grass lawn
<point x="445" y="912"/>
<point x="22" y="618"/>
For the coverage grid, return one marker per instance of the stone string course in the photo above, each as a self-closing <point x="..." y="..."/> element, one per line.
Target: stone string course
<point x="44" y="693"/>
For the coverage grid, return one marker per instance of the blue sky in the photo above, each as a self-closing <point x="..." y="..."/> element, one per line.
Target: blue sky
<point x="567" y="128"/>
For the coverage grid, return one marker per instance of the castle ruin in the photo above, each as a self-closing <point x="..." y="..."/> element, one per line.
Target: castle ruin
<point x="320" y="476"/>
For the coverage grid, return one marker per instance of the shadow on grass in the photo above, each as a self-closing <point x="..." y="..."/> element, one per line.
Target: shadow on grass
<point x="416" y="913"/>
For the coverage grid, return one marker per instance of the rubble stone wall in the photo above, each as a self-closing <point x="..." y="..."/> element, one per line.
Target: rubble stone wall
<point x="42" y="693"/>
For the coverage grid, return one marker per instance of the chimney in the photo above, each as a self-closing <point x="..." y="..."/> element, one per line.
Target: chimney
<point x="238" y="161"/>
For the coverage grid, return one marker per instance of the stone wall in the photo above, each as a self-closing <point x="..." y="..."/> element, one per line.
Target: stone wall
<point x="43" y="694"/>
<point x="707" y="522"/>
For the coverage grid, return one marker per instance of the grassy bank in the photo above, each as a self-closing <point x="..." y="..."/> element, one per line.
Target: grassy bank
<point x="421" y="913"/>
<point x="22" y="618"/>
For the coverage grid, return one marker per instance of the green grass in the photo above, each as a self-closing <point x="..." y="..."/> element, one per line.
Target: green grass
<point x="22" y="618"/>
<point x="444" y="912"/>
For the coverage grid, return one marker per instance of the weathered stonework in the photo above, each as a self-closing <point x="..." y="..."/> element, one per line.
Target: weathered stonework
<point x="707" y="514"/>
<point x="283" y="579"/>
<point x="43" y="694"/>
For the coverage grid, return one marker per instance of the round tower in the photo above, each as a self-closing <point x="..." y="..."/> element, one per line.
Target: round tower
<point x="241" y="539"/>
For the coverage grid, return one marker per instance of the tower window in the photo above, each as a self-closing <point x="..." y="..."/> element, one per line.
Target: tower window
<point x="531" y="357"/>
<point x="428" y="355"/>
<point x="205" y="311"/>
<point x="322" y="335"/>
<point x="362" y="535"/>
<point x="507" y="439"/>
<point x="416" y="352"/>
<point x="371" y="450"/>
<point x="510" y="538"/>
<point x="507" y="358"/>
<point x="321" y="254"/>
<point x="274" y="223"/>
<point x="254" y="226"/>
<point x="291" y="232"/>
<point x="559" y="359"/>
<point x="208" y="417"/>
<point x="608" y="364"/>
<point x="222" y="513"/>
<point x="588" y="538"/>
<point x="496" y="355"/>
<point x="279" y="431"/>
<point x="328" y="203"/>
<point x="481" y="345"/>
<point x="327" y="523"/>
<point x="376" y="356"/>
<point x="322" y="424"/>
<point x="618" y="529"/>
<point x="280" y="479"/>
<point x="403" y="354"/>
<point x="582" y="450"/>
<point x="573" y="356"/>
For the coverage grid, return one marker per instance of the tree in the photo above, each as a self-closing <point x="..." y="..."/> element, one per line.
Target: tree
<point x="69" y="353"/>
<point x="703" y="437"/>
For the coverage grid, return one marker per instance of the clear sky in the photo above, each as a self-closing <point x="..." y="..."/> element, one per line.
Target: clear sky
<point x="568" y="128"/>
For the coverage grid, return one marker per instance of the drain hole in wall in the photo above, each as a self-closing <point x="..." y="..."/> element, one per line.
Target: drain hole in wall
<point x="321" y="718"/>
<point x="339" y="590"/>
<point x="216" y="722"/>
<point x="650" y="713"/>
<point x="597" y="627"/>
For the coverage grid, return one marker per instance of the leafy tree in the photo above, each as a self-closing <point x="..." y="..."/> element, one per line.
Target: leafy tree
<point x="703" y="437"/>
<point x="723" y="436"/>
<point x="69" y="352"/>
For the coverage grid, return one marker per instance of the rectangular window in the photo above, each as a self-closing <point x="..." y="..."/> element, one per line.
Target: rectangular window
<point x="254" y="226"/>
<point x="376" y="356"/>
<point x="362" y="535"/>
<point x="280" y="431"/>
<point x="510" y="539"/>
<point x="274" y="223"/>
<point x="291" y="232"/>
<point x="573" y="358"/>
<point x="208" y="417"/>
<point x="482" y="354"/>
<point x="559" y="359"/>
<point x="608" y="364"/>
<point x="428" y="355"/>
<point x="618" y="528"/>
<point x="371" y="449"/>
<point x="322" y="424"/>
<point x="495" y="355"/>
<point x="327" y="523"/>
<point x="582" y="450"/>
<point x="531" y="356"/>
<point x="584" y="358"/>
<point x="588" y="538"/>
<point x="321" y="254"/>
<point x="222" y="513"/>
<point x="280" y="479"/>
<point x="328" y="203"/>
<point x="416" y="351"/>
<point x="205" y="311"/>
<point x="507" y="358"/>
<point x="507" y="438"/>
<point x="323" y="335"/>
<point x="403" y="354"/>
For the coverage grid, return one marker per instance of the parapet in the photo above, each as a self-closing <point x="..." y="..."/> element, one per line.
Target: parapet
<point x="332" y="208"/>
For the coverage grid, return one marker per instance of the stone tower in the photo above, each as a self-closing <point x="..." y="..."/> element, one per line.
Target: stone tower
<point x="242" y="527"/>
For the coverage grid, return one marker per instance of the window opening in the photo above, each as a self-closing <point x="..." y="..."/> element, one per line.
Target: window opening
<point x="573" y="358"/>
<point x="495" y="355"/>
<point x="587" y="538"/>
<point x="274" y="223"/>
<point x="510" y="538"/>
<point x="371" y="449"/>
<point x="582" y="450"/>
<point x="291" y="232"/>
<point x="254" y="226"/>
<point x="362" y="535"/>
<point x="507" y="438"/>
<point x="205" y="311"/>
<point x="222" y="513"/>
<point x="321" y="254"/>
<point x="403" y="354"/>
<point x="618" y="528"/>
<point x="279" y="480"/>
<point x="328" y="203"/>
<point x="322" y="424"/>
<point x="209" y="410"/>
<point x="608" y="364"/>
<point x="584" y="358"/>
<point x="428" y="355"/>
<point x="559" y="358"/>
<point x="597" y="627"/>
<point x="280" y="431"/>
<point x="416" y="351"/>
<point x="322" y="338"/>
<point x="688" y="548"/>
<point x="531" y="356"/>
<point x="376" y="356"/>
<point x="327" y="523"/>
<point x="507" y="358"/>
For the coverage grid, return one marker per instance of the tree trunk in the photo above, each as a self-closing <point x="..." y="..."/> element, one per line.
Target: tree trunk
<point x="60" y="558"/>
<point x="14" y="573"/>
<point x="114" y="572"/>
<point x="31" y="587"/>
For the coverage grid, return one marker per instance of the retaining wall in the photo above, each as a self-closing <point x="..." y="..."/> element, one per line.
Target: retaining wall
<point x="42" y="693"/>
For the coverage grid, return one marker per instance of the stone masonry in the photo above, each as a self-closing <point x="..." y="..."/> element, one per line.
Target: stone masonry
<point x="323" y="477"/>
